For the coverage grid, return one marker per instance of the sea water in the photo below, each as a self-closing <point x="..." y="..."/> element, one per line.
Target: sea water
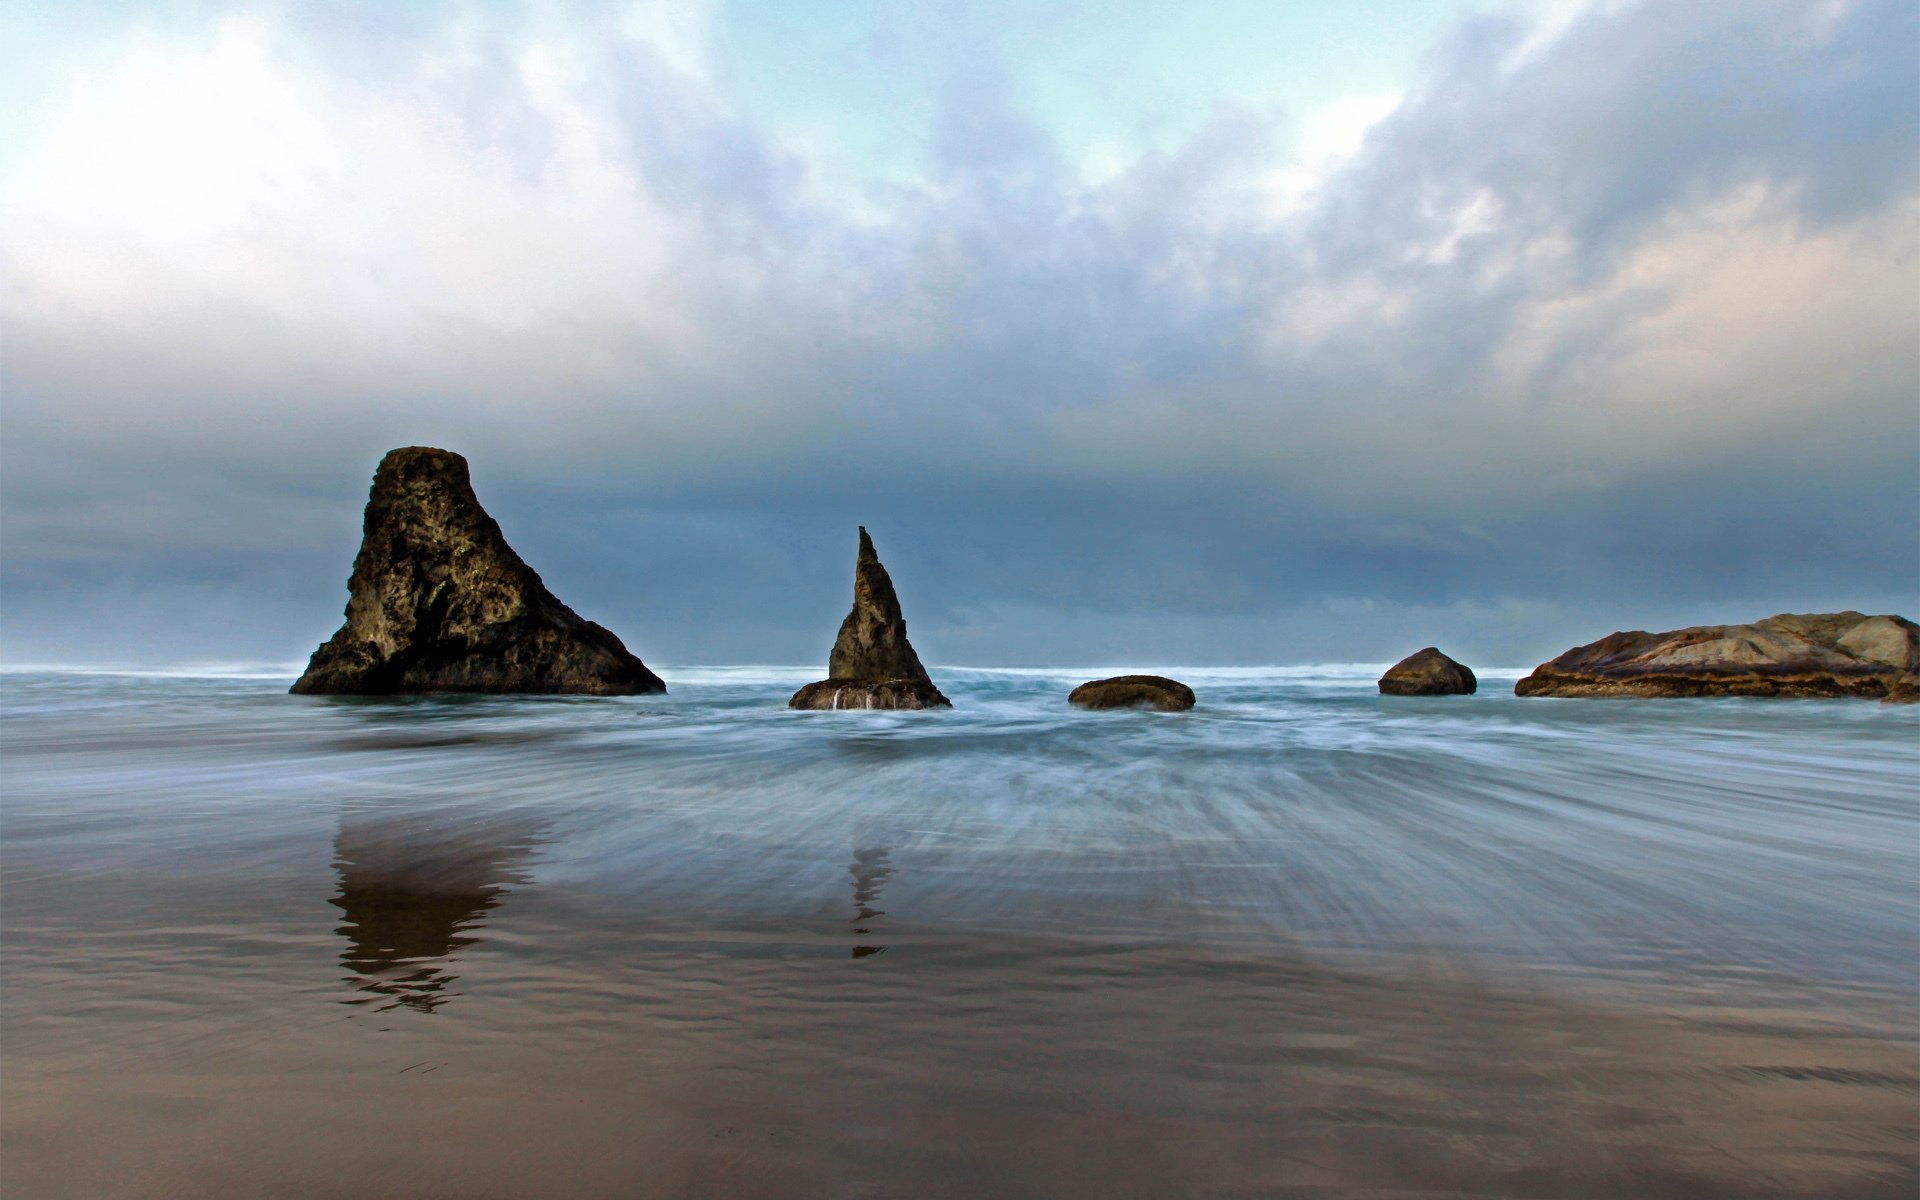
<point x="1302" y="940"/>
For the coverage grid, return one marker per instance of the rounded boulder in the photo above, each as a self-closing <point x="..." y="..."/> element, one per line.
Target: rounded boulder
<point x="1428" y="673"/>
<point x="1133" y="691"/>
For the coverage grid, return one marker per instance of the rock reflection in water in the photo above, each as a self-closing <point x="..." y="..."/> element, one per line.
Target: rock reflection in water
<point x="413" y="891"/>
<point x="870" y="873"/>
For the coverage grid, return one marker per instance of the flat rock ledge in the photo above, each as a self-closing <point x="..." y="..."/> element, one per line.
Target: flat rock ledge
<point x="869" y="694"/>
<point x="1133" y="691"/>
<point x="872" y="664"/>
<point x="1793" y="655"/>
<point x="1428" y="673"/>
<point x="438" y="602"/>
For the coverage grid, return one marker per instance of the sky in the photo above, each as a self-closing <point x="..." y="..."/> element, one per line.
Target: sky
<point x="1249" y="332"/>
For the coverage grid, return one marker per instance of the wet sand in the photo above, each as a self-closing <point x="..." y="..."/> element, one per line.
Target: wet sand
<point x="827" y="1063"/>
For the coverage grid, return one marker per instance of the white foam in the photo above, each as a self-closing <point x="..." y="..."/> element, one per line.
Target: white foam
<point x="747" y="675"/>
<point x="195" y="670"/>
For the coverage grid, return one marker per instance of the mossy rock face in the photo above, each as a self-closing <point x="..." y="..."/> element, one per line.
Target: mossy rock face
<point x="1794" y="655"/>
<point x="869" y="694"/>
<point x="438" y="602"/>
<point x="872" y="664"/>
<point x="1428" y="673"/>
<point x="1133" y="691"/>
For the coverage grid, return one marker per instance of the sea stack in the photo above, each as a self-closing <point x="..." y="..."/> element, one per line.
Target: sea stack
<point x="1791" y="655"/>
<point x="873" y="664"/>
<point x="1428" y="673"/>
<point x="1133" y="691"/>
<point x="438" y="602"/>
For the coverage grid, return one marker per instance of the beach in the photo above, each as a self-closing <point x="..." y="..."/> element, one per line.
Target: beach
<point x="1304" y="940"/>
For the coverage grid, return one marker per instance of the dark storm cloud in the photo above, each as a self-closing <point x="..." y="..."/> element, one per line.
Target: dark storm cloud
<point x="1616" y="330"/>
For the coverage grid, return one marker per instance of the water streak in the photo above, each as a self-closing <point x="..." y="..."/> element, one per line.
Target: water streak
<point x="1301" y="940"/>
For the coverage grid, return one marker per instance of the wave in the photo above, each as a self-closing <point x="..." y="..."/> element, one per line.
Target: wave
<point x="754" y="674"/>
<point x="288" y="671"/>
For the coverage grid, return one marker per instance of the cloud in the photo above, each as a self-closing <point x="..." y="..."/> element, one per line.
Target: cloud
<point x="1567" y="321"/>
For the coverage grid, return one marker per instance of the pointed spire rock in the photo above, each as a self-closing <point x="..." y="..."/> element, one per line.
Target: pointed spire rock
<point x="873" y="639"/>
<point x="438" y="602"/>
<point x="872" y="664"/>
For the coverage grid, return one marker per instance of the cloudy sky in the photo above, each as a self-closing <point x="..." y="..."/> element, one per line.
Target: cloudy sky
<point x="1241" y="332"/>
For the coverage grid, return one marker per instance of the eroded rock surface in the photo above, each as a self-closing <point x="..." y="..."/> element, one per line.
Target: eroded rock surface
<point x="1904" y="690"/>
<point x="1133" y="691"/>
<point x="872" y="664"/>
<point x="438" y="602"/>
<point x="1428" y="673"/>
<point x="1791" y="655"/>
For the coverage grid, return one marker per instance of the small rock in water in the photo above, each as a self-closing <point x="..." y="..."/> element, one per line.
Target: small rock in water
<point x="1133" y="691"/>
<point x="1428" y="673"/>
<point x="438" y="602"/>
<point x="872" y="664"/>
<point x="869" y="693"/>
<point x="1791" y="655"/>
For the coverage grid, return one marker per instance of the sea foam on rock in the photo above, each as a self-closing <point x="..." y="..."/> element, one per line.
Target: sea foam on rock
<point x="1791" y="655"/>
<point x="872" y="664"/>
<point x="1428" y="673"/>
<point x="438" y="602"/>
<point x="1133" y="691"/>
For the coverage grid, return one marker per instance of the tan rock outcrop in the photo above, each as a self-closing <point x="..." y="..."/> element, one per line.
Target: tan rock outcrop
<point x="1791" y="655"/>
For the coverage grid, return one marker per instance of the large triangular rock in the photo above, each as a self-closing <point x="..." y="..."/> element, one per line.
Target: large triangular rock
<point x="438" y="602"/>
<point x="872" y="664"/>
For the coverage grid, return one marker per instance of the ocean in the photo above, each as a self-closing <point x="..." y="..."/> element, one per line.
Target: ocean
<point x="1304" y="940"/>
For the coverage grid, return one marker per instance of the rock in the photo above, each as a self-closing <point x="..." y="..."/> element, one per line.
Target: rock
<point x="1904" y="690"/>
<point x="869" y="693"/>
<point x="1428" y="673"/>
<point x="1804" y="655"/>
<point x="438" y="602"/>
<point x="1133" y="691"/>
<point x="872" y="664"/>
